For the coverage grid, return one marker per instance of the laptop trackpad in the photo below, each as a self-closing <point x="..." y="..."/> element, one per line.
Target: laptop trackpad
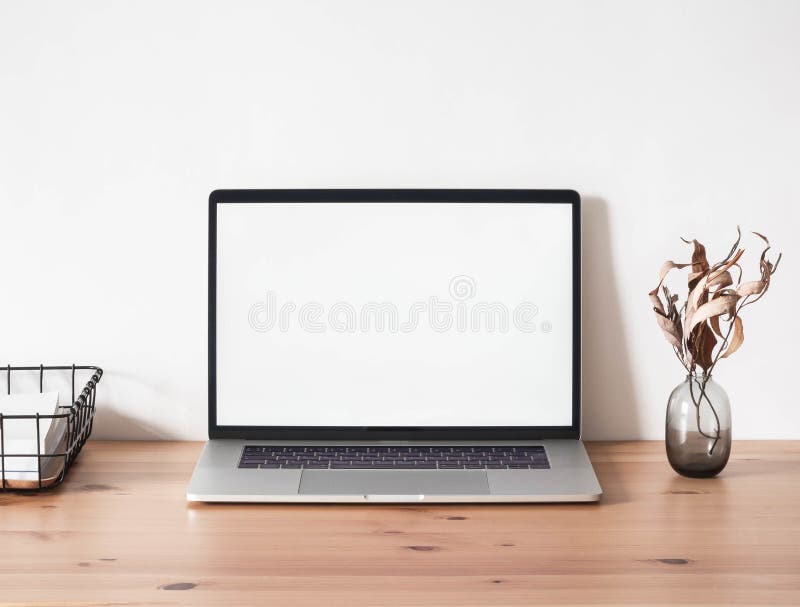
<point x="394" y="482"/>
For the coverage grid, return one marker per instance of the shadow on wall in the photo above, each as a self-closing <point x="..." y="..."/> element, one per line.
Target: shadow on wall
<point x="111" y="424"/>
<point x="609" y="399"/>
<point x="114" y="424"/>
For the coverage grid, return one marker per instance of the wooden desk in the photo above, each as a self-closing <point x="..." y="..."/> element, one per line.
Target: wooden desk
<point x="119" y="532"/>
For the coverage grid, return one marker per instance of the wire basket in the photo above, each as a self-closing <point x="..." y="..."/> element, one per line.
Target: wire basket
<point x="51" y="467"/>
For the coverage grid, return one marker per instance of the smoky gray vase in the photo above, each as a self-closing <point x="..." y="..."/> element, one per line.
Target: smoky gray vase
<point x="698" y="428"/>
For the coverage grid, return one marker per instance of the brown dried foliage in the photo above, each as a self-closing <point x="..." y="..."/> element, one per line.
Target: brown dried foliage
<point x="708" y="325"/>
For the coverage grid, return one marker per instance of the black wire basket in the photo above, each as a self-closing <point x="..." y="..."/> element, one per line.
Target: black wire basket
<point x="51" y="467"/>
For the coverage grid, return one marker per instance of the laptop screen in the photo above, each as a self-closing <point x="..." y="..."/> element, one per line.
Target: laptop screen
<point x="391" y="314"/>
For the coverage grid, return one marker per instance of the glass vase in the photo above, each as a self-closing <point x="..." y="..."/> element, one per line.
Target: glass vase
<point x="698" y="428"/>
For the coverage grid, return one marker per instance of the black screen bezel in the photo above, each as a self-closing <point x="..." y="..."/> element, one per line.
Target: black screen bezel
<point x="426" y="433"/>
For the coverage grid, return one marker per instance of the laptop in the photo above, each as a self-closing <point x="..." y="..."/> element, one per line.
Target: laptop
<point x="401" y="346"/>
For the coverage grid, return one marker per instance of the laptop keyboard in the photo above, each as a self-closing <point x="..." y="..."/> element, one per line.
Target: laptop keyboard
<point x="395" y="458"/>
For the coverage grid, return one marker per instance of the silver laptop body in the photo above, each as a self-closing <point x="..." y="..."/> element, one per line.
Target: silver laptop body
<point x="394" y="346"/>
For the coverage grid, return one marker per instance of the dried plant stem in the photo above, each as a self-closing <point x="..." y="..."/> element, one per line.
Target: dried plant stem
<point x="679" y="356"/>
<point x="697" y="402"/>
<point x="703" y="395"/>
<point x="707" y="375"/>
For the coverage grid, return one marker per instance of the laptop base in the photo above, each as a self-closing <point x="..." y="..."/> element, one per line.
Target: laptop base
<point x="217" y="478"/>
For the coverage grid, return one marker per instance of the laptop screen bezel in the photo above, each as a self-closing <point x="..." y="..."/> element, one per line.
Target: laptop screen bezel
<point x="426" y="433"/>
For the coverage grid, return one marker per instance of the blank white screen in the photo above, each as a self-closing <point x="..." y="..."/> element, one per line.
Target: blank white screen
<point x="301" y="286"/>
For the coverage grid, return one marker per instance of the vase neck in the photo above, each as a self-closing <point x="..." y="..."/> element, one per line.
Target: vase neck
<point x="698" y="377"/>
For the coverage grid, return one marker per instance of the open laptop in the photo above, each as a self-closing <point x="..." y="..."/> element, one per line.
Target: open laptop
<point x="394" y="346"/>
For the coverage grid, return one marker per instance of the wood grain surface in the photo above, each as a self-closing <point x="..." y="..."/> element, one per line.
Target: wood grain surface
<point x="119" y="532"/>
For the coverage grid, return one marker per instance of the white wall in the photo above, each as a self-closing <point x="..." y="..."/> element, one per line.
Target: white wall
<point x="118" y="118"/>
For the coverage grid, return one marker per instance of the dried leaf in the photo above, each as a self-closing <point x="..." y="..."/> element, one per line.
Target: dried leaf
<point x="723" y="292"/>
<point x="720" y="280"/>
<point x="753" y="287"/>
<point x="671" y="329"/>
<point x="697" y="297"/>
<point x="725" y="304"/>
<point x="737" y="339"/>
<point x="662" y="274"/>
<point x="767" y="270"/>
<point x="675" y="316"/>
<point x="666" y="267"/>
<point x="704" y="343"/>
<point x="699" y="263"/>
<point x="699" y="260"/>
<point x="714" y="322"/>
<point x="656" y="301"/>
<point x="671" y="299"/>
